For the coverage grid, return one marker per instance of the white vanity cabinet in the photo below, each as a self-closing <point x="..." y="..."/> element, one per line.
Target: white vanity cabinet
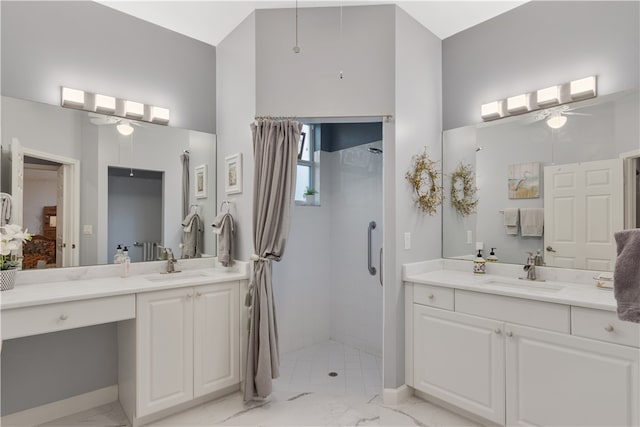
<point x="185" y="344"/>
<point x="516" y="361"/>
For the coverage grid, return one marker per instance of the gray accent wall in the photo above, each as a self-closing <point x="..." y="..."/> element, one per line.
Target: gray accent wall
<point x="85" y="45"/>
<point x="339" y="136"/>
<point x="536" y="45"/>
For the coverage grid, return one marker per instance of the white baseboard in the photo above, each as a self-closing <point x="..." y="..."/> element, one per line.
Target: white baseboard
<point x="396" y="396"/>
<point x="61" y="408"/>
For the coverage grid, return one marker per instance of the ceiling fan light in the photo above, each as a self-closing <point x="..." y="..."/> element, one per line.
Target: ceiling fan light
<point x="124" y="128"/>
<point x="556" y="121"/>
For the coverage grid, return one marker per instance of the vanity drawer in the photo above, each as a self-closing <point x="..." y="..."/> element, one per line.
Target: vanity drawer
<point x="433" y="296"/>
<point x="604" y="325"/>
<point x="538" y="314"/>
<point x="40" y="319"/>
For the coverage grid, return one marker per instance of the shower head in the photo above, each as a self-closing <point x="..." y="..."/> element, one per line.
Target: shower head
<point x="374" y="150"/>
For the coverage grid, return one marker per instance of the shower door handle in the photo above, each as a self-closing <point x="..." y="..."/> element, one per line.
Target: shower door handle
<point x="372" y="269"/>
<point x="380" y="267"/>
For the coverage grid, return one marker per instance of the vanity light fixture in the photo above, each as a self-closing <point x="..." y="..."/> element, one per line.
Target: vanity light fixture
<point x="556" y="120"/>
<point x="548" y="96"/>
<point x="124" y="127"/>
<point x="541" y="98"/>
<point x="72" y="98"/>
<point x="133" y="109"/>
<point x="159" y="115"/>
<point x="104" y="104"/>
<point x="583" y="88"/>
<point x="517" y="104"/>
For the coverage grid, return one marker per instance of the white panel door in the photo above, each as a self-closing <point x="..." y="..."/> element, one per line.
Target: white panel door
<point x="558" y="380"/>
<point x="584" y="206"/>
<point x="17" y="182"/>
<point x="460" y="359"/>
<point x="164" y="349"/>
<point x="216" y="338"/>
<point x="60" y="220"/>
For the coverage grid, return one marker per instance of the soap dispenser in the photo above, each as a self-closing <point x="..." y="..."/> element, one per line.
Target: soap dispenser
<point x="492" y="256"/>
<point x="479" y="264"/>
<point x="117" y="258"/>
<point x="126" y="262"/>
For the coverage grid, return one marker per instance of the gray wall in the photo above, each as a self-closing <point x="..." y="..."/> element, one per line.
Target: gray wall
<point x="85" y="45"/>
<point x="88" y="46"/>
<point x="536" y="45"/>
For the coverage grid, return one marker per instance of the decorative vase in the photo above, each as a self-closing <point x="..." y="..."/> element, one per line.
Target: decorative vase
<point x="309" y="198"/>
<point x="7" y="279"/>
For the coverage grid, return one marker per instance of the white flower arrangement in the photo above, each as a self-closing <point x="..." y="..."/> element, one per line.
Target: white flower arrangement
<point x="11" y="238"/>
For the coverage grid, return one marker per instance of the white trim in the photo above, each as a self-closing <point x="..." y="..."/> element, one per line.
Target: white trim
<point x="396" y="396"/>
<point x="62" y="408"/>
<point x="630" y="154"/>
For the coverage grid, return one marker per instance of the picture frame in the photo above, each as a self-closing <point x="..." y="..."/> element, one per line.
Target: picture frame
<point x="201" y="182"/>
<point x="233" y="174"/>
<point x="524" y="180"/>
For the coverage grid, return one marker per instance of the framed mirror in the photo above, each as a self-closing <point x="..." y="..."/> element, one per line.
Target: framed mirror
<point x="82" y="188"/>
<point x="569" y="174"/>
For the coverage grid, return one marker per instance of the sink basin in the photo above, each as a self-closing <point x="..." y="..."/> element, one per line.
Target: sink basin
<point x="522" y="284"/>
<point x="179" y="275"/>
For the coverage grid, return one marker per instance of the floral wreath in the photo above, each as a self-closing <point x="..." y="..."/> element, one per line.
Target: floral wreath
<point x="424" y="178"/>
<point x="465" y="205"/>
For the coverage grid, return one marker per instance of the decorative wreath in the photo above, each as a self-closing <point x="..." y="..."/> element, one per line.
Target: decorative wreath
<point x="467" y="204"/>
<point x="424" y="178"/>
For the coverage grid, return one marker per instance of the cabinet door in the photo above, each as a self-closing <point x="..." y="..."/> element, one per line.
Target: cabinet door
<point x="164" y="349"/>
<point x="556" y="379"/>
<point x="460" y="359"/>
<point x="216" y="335"/>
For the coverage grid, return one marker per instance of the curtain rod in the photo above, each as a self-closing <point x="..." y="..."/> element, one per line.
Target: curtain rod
<point x="386" y="117"/>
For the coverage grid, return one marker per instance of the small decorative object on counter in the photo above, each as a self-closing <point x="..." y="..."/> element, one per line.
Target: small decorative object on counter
<point x="479" y="264"/>
<point x="310" y="195"/>
<point x="538" y="259"/>
<point x="11" y="239"/>
<point x="126" y="262"/>
<point x="492" y="256"/>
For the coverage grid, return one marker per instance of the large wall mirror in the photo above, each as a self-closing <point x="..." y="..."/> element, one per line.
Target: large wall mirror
<point x="82" y="188"/>
<point x="571" y="186"/>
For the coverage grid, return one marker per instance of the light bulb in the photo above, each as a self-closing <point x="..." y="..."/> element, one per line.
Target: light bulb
<point x="125" y="128"/>
<point x="556" y="121"/>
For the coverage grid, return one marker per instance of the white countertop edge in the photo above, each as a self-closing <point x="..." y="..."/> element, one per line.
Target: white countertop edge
<point x="576" y="294"/>
<point x="74" y="289"/>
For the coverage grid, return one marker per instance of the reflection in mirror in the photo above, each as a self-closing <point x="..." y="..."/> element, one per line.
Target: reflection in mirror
<point x="83" y="188"/>
<point x="572" y="186"/>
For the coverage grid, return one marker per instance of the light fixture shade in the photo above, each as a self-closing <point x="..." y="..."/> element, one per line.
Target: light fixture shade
<point x="125" y="128"/>
<point x="517" y="104"/>
<point x="556" y="121"/>
<point x="133" y="109"/>
<point x="492" y="110"/>
<point x="548" y="96"/>
<point x="159" y="115"/>
<point x="583" y="88"/>
<point x="72" y="98"/>
<point x="105" y="104"/>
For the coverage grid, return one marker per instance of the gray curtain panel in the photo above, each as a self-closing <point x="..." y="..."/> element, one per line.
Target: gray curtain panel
<point x="185" y="184"/>
<point x="275" y="148"/>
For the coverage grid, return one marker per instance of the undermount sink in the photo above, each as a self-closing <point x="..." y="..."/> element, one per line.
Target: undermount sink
<point x="178" y="275"/>
<point x="523" y="284"/>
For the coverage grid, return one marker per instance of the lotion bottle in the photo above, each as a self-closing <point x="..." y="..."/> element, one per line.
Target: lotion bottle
<point x="117" y="258"/>
<point x="126" y="262"/>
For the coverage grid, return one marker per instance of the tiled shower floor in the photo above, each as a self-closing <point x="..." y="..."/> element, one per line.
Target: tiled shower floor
<point x="304" y="395"/>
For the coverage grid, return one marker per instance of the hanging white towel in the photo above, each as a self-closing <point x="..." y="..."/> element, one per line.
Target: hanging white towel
<point x="532" y="222"/>
<point x="224" y="228"/>
<point x="511" y="220"/>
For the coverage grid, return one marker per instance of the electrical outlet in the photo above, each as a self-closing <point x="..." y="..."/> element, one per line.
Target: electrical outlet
<point x="407" y="240"/>
<point x="469" y="237"/>
<point x="87" y="229"/>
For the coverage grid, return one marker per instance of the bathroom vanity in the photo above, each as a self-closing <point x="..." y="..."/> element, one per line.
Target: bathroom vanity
<point x="520" y="353"/>
<point x="178" y="334"/>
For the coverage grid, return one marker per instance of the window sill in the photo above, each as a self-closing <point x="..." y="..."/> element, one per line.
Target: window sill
<point x="301" y="203"/>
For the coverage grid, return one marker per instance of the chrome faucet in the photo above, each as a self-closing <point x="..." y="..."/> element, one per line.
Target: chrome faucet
<point x="530" y="267"/>
<point x="171" y="261"/>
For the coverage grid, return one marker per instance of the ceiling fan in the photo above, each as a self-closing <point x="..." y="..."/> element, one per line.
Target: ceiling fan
<point x="556" y="117"/>
<point x="124" y="126"/>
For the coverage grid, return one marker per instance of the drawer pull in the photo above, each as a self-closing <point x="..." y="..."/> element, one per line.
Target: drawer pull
<point x="63" y="317"/>
<point x="430" y="296"/>
<point x="608" y="328"/>
<point x="198" y="294"/>
<point x="509" y="333"/>
<point x="497" y="331"/>
<point x="189" y="296"/>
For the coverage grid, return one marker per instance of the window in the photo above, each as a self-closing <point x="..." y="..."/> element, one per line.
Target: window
<point x="308" y="159"/>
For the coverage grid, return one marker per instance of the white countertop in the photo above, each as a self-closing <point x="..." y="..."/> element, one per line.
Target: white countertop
<point x="76" y="287"/>
<point x="447" y="274"/>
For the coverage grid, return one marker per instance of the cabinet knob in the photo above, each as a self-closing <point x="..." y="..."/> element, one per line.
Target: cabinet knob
<point x="608" y="328"/>
<point x="497" y="331"/>
<point x="430" y="296"/>
<point x="189" y="296"/>
<point x="63" y="317"/>
<point x="509" y="333"/>
<point x="198" y="294"/>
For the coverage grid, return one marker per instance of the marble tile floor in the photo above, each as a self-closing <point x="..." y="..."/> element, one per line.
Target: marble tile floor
<point x="304" y="395"/>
